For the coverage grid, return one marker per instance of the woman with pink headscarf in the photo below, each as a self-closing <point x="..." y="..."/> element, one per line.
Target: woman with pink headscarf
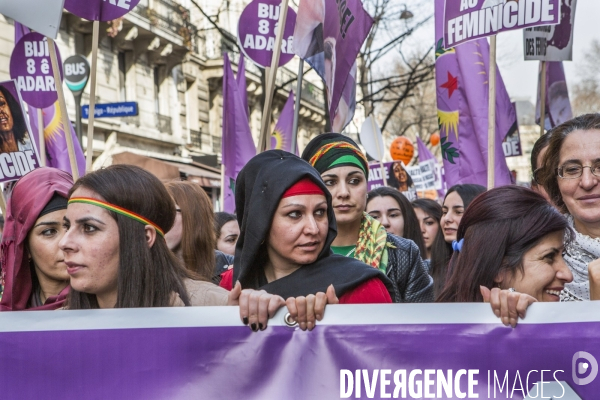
<point x="34" y="275"/>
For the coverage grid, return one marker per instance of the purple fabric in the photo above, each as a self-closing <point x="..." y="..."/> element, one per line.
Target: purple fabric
<point x="424" y="155"/>
<point x="282" y="136"/>
<point x="237" y="143"/>
<point x="280" y="363"/>
<point x="54" y="133"/>
<point x="100" y="10"/>
<point x="329" y="35"/>
<point x="462" y="101"/>
<point x="461" y="23"/>
<point x="241" y="82"/>
<point x="558" y="105"/>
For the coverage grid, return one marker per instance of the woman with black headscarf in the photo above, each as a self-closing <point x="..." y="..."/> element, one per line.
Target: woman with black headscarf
<point x="343" y="168"/>
<point x="287" y="226"/>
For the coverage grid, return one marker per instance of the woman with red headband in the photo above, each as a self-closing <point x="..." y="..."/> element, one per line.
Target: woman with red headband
<point x="117" y="256"/>
<point x="287" y="227"/>
<point x="344" y="170"/>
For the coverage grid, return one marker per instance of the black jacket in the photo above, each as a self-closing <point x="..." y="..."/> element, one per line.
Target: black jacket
<point x="405" y="268"/>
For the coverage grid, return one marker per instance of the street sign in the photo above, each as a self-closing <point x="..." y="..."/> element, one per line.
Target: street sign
<point x="112" y="110"/>
<point x="77" y="72"/>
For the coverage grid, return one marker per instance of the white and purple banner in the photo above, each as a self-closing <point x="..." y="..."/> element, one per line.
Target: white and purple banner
<point x="466" y="20"/>
<point x="552" y="42"/>
<point x="443" y="351"/>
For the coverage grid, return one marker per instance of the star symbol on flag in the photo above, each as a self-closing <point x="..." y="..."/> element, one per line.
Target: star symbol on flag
<point x="451" y="84"/>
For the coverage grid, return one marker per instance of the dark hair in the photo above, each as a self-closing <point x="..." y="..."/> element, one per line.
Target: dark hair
<point x="498" y="228"/>
<point x="197" y="236"/>
<point x="434" y="210"/>
<point x="412" y="229"/>
<point x="539" y="145"/>
<point x="393" y="182"/>
<point x="548" y="174"/>
<point x="147" y="277"/>
<point x="442" y="250"/>
<point x="221" y="218"/>
<point x="19" y="124"/>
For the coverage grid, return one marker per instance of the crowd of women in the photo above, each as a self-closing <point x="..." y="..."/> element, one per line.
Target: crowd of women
<point x="307" y="233"/>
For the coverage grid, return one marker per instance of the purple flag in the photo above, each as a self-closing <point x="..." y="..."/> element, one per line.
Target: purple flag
<point x="558" y="106"/>
<point x="57" y="154"/>
<point x="241" y="82"/>
<point x="425" y="155"/>
<point x="283" y="135"/>
<point x="462" y="102"/>
<point x="329" y="35"/>
<point x="237" y="145"/>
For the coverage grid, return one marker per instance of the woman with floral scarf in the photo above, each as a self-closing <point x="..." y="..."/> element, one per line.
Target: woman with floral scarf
<point x="344" y="170"/>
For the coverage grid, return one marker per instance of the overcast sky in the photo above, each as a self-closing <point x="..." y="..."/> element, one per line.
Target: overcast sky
<point x="520" y="77"/>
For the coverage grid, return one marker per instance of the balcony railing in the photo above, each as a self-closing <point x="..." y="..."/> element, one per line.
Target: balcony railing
<point x="196" y="138"/>
<point x="170" y="16"/>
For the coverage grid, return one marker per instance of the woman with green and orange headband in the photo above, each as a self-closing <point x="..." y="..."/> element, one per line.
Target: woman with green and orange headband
<point x="117" y="256"/>
<point x="344" y="170"/>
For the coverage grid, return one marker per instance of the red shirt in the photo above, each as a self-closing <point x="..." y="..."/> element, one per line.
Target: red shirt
<point x="372" y="291"/>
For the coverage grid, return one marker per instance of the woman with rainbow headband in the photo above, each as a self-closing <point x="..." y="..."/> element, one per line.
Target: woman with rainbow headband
<point x="126" y="207"/>
<point x="343" y="168"/>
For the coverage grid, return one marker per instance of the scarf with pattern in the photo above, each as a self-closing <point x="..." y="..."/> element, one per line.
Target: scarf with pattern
<point x="371" y="247"/>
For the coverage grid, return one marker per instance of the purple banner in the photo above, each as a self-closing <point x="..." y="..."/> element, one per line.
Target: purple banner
<point x="100" y="10"/>
<point x="443" y="351"/>
<point x="558" y="106"/>
<point x="256" y="32"/>
<point x="283" y="134"/>
<point x="329" y="35"/>
<point x="466" y="20"/>
<point x="18" y="153"/>
<point x="237" y="146"/>
<point x="31" y="67"/>
<point x="462" y="77"/>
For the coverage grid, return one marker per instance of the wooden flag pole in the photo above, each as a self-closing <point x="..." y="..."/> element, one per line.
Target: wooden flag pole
<point x="41" y="139"/>
<point x="265" y="138"/>
<point x="2" y="203"/>
<point x="379" y="152"/>
<point x="543" y="97"/>
<point x="222" y="197"/>
<point x="297" y="106"/>
<point x="492" y="114"/>
<point x="63" y="109"/>
<point x="90" y="132"/>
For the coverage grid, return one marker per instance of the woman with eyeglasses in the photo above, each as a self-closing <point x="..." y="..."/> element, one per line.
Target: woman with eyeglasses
<point x="571" y="176"/>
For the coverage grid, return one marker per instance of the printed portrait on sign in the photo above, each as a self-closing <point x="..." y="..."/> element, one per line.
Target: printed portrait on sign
<point x="399" y="178"/>
<point x="14" y="134"/>
<point x="18" y="153"/>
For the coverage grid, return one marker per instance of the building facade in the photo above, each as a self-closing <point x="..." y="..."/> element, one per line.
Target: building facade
<point x="167" y="56"/>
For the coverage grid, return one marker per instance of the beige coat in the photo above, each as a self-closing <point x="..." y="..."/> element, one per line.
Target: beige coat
<point x="202" y="294"/>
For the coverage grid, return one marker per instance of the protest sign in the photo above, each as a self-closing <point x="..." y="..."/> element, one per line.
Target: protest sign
<point x="42" y="16"/>
<point x="512" y="144"/>
<point x="552" y="42"/>
<point x="97" y="10"/>
<point x="100" y="10"/>
<point x="473" y="19"/>
<point x="256" y="32"/>
<point x="444" y="351"/>
<point x="31" y="67"/>
<point x="18" y="153"/>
